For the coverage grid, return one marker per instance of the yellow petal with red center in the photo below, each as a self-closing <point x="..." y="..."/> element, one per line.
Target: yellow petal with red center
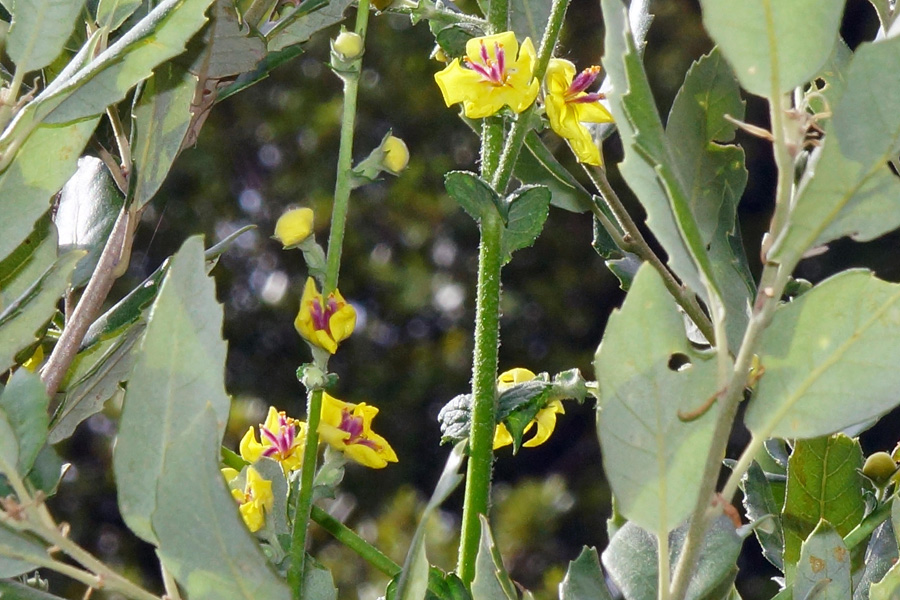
<point x="482" y="97"/>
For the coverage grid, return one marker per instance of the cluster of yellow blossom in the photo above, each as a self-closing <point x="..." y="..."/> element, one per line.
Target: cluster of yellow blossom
<point x="496" y="72"/>
<point x="344" y="426"/>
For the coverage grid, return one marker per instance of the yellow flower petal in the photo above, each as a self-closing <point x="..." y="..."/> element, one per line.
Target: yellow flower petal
<point x="348" y="427"/>
<point x="324" y="322"/>
<point x="484" y="88"/>
<point x="514" y="376"/>
<point x="396" y="154"/>
<point x="249" y="448"/>
<point x="546" y="423"/>
<point x="567" y="111"/>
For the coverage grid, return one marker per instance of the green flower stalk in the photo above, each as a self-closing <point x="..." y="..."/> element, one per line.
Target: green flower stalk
<point x="349" y="73"/>
<point x="497" y="159"/>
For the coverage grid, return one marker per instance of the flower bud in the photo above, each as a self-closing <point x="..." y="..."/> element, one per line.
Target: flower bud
<point x="396" y="154"/>
<point x="294" y="226"/>
<point x="879" y="468"/>
<point x="382" y="4"/>
<point x="348" y="44"/>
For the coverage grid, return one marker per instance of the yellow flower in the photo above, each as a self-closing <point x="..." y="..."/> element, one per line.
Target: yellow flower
<point x="324" y="323"/>
<point x="497" y="73"/>
<point x="545" y="418"/>
<point x="348" y="428"/>
<point x="254" y="500"/>
<point x="281" y="439"/>
<point x="568" y="105"/>
<point x="396" y="154"/>
<point x="294" y="226"/>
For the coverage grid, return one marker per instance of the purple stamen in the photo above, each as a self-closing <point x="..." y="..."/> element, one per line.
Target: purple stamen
<point x="594" y="97"/>
<point x="499" y="68"/>
<point x="584" y="80"/>
<point x="479" y="69"/>
<point x="491" y="70"/>
<point x="321" y="316"/>
<point x="273" y="439"/>
<point x="354" y="426"/>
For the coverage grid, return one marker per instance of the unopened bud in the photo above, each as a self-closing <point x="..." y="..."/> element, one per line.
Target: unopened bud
<point x="396" y="154"/>
<point x="348" y="45"/>
<point x="879" y="468"/>
<point x="294" y="226"/>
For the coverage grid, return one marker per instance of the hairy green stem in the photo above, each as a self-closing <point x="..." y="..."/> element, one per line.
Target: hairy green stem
<point x="484" y="392"/>
<point x="523" y="124"/>
<point x="304" y="497"/>
<point x="344" y="183"/>
<point x="772" y="283"/>
<point x="351" y="539"/>
<point x="634" y="242"/>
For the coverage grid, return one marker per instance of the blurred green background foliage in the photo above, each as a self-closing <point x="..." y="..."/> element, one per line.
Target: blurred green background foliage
<point x="409" y="268"/>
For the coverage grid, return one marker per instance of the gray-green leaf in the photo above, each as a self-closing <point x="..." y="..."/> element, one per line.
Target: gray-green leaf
<point x="24" y="404"/>
<point x="491" y="580"/>
<point x="24" y="316"/>
<point x="161" y="119"/>
<point x="472" y="193"/>
<point x="179" y="371"/>
<point x="300" y="29"/>
<point x="773" y="45"/>
<point x="89" y="204"/>
<point x="43" y="164"/>
<point x="529" y="18"/>
<point x="848" y="189"/>
<point x="203" y="541"/>
<point x="830" y="359"/>
<point x="648" y="372"/>
<point x="39" y="30"/>
<point x="584" y="579"/>
<point x="759" y="502"/>
<point x="824" y="565"/>
<point x="93" y="379"/>
<point x="631" y="560"/>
